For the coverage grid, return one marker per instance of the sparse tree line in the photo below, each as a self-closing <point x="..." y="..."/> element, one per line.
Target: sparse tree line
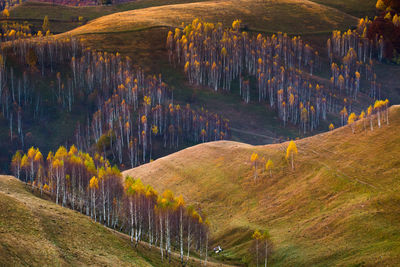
<point x="215" y="57"/>
<point x="127" y="110"/>
<point x="93" y="187"/>
<point x="263" y="245"/>
<point x="264" y="165"/>
<point x="11" y="31"/>
<point x="380" y="109"/>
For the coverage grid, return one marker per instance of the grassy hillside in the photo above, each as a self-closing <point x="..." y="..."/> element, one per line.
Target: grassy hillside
<point x="340" y="206"/>
<point x="358" y="8"/>
<point x="65" y="18"/>
<point x="291" y="16"/>
<point x="37" y="232"/>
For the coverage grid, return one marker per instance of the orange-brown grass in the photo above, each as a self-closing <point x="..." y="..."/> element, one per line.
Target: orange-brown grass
<point x="292" y="16"/>
<point x="340" y="206"/>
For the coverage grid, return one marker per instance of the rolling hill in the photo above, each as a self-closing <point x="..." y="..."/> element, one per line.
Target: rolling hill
<point x="291" y="16"/>
<point x="340" y="206"/>
<point x="37" y="232"/>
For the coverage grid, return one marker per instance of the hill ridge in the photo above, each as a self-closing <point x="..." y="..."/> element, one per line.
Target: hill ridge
<point x="172" y="15"/>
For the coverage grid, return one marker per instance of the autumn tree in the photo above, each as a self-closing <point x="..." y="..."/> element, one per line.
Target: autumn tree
<point x="254" y="160"/>
<point x="291" y="152"/>
<point x="362" y="117"/>
<point x="46" y="24"/>
<point x="386" y="106"/>
<point x="380" y="4"/>
<point x="269" y="166"/>
<point x="31" y="159"/>
<point x="266" y="238"/>
<point x="379" y="104"/>
<point x="179" y="206"/>
<point x="257" y="236"/>
<point x="369" y="114"/>
<point x="6" y="13"/>
<point x="16" y="164"/>
<point x="93" y="186"/>
<point x="351" y="120"/>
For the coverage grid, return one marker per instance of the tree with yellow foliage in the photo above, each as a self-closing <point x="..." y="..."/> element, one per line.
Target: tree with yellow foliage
<point x="331" y="127"/>
<point x="380" y="4"/>
<point x="46" y="24"/>
<point x="93" y="186"/>
<point x="180" y="203"/>
<point x="46" y="188"/>
<point x="268" y="166"/>
<point x="266" y="237"/>
<point x="25" y="166"/>
<point x="351" y="120"/>
<point x="378" y="106"/>
<point x="369" y="114"/>
<point x="386" y="105"/>
<point x="6" y="13"/>
<point x="257" y="236"/>
<point x="236" y="25"/>
<point x="362" y="117"/>
<point x="38" y="162"/>
<point x="254" y="159"/>
<point x="31" y="157"/>
<point x="168" y="203"/>
<point x="151" y="198"/>
<point x="16" y="164"/>
<point x="291" y="152"/>
<point x="160" y="209"/>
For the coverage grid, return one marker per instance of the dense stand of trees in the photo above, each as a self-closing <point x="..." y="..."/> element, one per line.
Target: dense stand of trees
<point x="127" y="111"/>
<point x="354" y="52"/>
<point x="93" y="187"/>
<point x="281" y="66"/>
<point x="14" y="30"/>
<point x="215" y="57"/>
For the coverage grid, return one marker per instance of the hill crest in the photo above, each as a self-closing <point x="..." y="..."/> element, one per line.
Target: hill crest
<point x="341" y="194"/>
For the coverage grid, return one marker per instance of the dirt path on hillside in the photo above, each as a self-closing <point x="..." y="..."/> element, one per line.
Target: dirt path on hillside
<point x="255" y="134"/>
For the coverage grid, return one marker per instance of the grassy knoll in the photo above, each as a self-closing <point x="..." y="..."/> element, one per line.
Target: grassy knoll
<point x="340" y="206"/>
<point x="291" y="16"/>
<point x="358" y="8"/>
<point x="65" y="18"/>
<point x="37" y="232"/>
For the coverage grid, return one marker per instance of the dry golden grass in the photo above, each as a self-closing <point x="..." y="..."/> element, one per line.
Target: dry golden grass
<point x="292" y="16"/>
<point x="340" y="206"/>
